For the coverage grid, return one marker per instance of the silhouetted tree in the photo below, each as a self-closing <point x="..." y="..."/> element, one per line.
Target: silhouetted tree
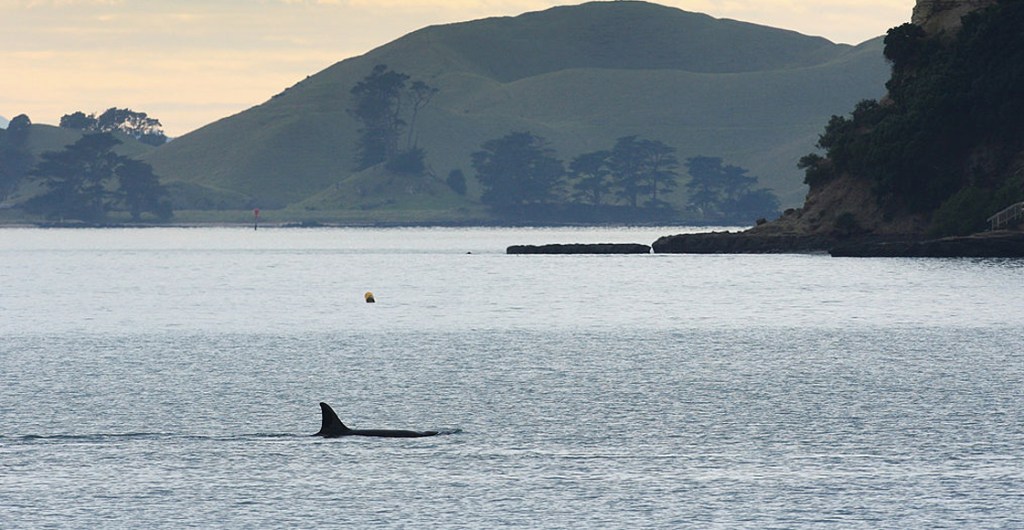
<point x="79" y="121"/>
<point x="905" y="44"/>
<point x="140" y="190"/>
<point x="14" y="167"/>
<point x="627" y="168"/>
<point x="517" y="169"/>
<point x="378" y="103"/>
<point x="75" y="179"/>
<point x="660" y="171"/>
<point x="78" y="182"/>
<point x="15" y="162"/>
<point x="138" y="125"/>
<point x="18" y="128"/>
<point x="704" y="187"/>
<point x="640" y="166"/>
<point x="591" y="177"/>
<point x="725" y="192"/>
<point x="421" y="95"/>
<point x="135" y="124"/>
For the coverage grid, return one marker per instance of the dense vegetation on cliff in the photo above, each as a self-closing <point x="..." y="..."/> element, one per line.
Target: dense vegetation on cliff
<point x="947" y="141"/>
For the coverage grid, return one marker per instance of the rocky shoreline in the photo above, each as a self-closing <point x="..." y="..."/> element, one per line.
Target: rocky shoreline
<point x="998" y="244"/>
<point x="740" y="243"/>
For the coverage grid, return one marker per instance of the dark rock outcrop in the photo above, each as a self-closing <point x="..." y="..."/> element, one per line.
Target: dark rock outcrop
<point x="1003" y="244"/>
<point x="580" y="248"/>
<point x="741" y="243"/>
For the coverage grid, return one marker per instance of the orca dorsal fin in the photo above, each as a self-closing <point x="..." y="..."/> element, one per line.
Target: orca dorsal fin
<point x="330" y="424"/>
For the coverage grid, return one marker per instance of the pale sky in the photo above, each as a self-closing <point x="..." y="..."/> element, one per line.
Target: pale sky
<point x="192" y="62"/>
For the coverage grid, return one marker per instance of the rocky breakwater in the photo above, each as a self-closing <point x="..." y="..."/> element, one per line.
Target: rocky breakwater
<point x="741" y="243"/>
<point x="1000" y="244"/>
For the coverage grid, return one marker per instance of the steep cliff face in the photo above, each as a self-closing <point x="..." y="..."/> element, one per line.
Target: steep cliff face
<point x="936" y="16"/>
<point x="919" y="172"/>
<point x="843" y="207"/>
<point x="848" y="205"/>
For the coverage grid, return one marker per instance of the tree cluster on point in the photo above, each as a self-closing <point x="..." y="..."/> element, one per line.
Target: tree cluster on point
<point x="520" y="172"/>
<point x="135" y="124"/>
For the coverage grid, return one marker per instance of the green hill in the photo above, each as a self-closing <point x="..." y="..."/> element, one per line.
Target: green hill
<point x="579" y="76"/>
<point x="43" y="138"/>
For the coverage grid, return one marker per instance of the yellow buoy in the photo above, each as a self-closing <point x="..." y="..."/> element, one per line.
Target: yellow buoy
<point x="369" y="297"/>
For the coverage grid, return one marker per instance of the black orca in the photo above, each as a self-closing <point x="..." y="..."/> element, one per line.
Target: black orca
<point x="332" y="427"/>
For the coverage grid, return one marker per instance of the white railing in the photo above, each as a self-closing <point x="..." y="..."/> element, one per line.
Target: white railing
<point x="1006" y="216"/>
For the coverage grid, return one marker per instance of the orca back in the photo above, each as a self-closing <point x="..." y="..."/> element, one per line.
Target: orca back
<point x="391" y="433"/>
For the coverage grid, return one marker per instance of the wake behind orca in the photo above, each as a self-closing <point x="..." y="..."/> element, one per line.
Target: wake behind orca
<point x="332" y="427"/>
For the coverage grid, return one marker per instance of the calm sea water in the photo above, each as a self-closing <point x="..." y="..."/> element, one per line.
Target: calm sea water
<point x="170" y="378"/>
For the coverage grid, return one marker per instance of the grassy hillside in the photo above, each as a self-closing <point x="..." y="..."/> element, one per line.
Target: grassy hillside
<point x="580" y="76"/>
<point x="611" y="35"/>
<point x="43" y="138"/>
